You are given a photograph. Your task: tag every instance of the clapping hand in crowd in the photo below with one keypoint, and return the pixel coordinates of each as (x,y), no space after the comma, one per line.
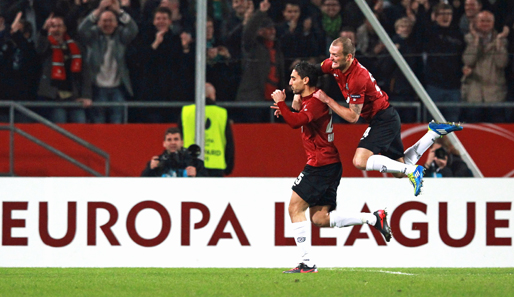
(17,25)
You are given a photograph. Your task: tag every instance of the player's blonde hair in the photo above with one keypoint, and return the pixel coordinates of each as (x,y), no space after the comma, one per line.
(348,46)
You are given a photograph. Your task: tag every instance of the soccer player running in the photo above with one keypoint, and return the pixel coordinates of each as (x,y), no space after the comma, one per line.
(316,187)
(383,135)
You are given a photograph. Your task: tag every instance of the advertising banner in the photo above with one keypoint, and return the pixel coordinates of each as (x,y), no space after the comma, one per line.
(244,222)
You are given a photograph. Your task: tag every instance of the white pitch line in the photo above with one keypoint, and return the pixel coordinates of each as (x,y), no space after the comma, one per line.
(391,272)
(381,271)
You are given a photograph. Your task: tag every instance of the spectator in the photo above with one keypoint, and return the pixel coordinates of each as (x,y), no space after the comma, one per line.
(299,39)
(444,160)
(443,46)
(63,78)
(175,161)
(106,43)
(400,89)
(220,71)
(219,142)
(161,55)
(485,60)
(331,20)
(369,45)
(19,67)
(263,70)
(181,20)
(233,27)
(471,9)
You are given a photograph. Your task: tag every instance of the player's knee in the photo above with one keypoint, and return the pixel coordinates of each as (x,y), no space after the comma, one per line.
(359,163)
(321,220)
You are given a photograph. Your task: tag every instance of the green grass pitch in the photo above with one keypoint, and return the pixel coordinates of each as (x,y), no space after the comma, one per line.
(256,282)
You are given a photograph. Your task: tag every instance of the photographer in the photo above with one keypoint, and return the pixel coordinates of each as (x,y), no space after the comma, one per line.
(175,161)
(445,161)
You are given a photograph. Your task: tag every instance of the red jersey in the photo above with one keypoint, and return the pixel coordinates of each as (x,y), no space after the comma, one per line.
(315,119)
(359,87)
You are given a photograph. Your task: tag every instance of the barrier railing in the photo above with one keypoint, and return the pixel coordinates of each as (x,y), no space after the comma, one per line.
(34,116)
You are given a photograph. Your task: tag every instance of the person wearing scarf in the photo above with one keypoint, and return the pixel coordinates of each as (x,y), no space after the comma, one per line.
(62,72)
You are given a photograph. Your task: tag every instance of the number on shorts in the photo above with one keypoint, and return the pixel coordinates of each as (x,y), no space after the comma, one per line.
(298,179)
(366,133)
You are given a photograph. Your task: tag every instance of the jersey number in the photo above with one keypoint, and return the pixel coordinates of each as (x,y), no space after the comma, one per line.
(330,128)
(298,179)
(372,80)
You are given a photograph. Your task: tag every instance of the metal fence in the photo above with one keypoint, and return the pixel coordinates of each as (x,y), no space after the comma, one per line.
(422,113)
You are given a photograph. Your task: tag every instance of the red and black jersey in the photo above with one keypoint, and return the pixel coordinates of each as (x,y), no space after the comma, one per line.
(315,119)
(359,87)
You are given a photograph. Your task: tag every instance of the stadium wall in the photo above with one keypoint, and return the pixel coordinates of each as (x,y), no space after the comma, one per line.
(262,150)
(243,222)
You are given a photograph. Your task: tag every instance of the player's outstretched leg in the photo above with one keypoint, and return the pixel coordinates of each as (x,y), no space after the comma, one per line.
(444,128)
(382,225)
(435,130)
(302,268)
(416,179)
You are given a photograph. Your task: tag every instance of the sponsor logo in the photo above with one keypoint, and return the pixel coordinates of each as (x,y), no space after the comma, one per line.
(383,169)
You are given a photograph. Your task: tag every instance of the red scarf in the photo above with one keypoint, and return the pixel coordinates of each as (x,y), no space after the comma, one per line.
(58,70)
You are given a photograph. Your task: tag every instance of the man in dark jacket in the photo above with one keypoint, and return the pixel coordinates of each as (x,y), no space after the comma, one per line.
(263,69)
(444,46)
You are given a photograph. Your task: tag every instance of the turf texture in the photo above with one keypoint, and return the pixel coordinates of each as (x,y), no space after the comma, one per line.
(256,282)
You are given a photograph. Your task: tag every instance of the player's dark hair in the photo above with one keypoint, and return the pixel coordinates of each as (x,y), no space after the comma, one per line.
(306,69)
(172,130)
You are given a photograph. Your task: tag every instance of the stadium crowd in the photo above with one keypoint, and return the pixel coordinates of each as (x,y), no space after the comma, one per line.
(91,51)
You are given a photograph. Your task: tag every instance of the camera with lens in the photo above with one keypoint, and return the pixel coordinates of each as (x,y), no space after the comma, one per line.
(175,163)
(441,153)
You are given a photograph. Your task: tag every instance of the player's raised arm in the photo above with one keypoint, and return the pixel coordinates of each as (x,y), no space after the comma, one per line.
(293,119)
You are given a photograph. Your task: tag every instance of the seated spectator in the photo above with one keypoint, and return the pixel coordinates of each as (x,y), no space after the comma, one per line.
(106,43)
(63,78)
(175,161)
(485,60)
(445,161)
(219,142)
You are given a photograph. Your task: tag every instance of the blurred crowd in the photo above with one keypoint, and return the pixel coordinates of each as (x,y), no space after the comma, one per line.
(90,51)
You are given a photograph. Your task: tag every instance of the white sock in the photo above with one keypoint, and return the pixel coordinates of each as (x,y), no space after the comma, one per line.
(339,221)
(414,153)
(384,164)
(303,241)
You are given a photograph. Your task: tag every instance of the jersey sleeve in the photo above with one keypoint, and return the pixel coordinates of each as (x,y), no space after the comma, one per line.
(293,119)
(326,66)
(357,89)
